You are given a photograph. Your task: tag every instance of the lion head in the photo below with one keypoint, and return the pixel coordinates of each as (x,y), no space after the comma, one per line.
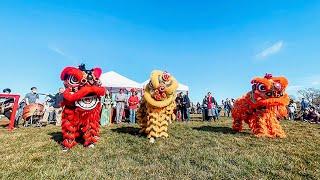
(83,87)
(270,91)
(160,91)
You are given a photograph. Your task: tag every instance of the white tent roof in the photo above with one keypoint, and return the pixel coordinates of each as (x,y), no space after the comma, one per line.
(181,87)
(114,81)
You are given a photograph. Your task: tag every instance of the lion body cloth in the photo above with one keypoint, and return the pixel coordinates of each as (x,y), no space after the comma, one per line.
(156,111)
(81,113)
(263,107)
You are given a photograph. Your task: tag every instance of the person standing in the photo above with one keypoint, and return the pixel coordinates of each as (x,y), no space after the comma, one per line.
(304,104)
(224,108)
(120,103)
(232,103)
(198,108)
(32,97)
(106,102)
(57,105)
(292,110)
(227,107)
(186,107)
(212,107)
(179,101)
(205,116)
(133,102)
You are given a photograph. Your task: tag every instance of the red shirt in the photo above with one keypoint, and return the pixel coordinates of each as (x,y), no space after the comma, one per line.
(133,102)
(211,104)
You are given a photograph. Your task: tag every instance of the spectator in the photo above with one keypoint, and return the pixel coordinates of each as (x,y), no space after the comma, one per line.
(212,107)
(223,103)
(57,105)
(179,101)
(22,104)
(7,91)
(6,104)
(232,103)
(193,108)
(186,107)
(106,102)
(32,97)
(120,103)
(227,107)
(304,104)
(133,102)
(205,116)
(198,108)
(313,116)
(292,110)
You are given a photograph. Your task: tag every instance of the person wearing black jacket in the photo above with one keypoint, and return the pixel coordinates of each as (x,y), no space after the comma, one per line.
(56,104)
(185,107)
(179,101)
(205,109)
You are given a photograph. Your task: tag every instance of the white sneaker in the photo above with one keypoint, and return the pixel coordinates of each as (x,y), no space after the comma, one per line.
(152,140)
(91,146)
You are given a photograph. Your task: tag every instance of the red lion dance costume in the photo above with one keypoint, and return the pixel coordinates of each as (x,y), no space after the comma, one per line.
(81,114)
(262,107)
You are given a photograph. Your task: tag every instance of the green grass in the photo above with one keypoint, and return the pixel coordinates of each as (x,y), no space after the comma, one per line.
(197,150)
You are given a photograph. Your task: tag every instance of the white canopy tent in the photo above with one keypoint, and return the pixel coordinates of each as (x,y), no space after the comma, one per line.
(181,87)
(114,82)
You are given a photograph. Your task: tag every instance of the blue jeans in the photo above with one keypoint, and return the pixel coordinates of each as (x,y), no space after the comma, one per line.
(215,112)
(132,116)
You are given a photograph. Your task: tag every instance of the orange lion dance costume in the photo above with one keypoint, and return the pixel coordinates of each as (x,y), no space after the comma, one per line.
(262,107)
(81,114)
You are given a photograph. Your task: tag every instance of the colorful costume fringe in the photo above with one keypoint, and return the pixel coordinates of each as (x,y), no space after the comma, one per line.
(81,114)
(262,108)
(157,107)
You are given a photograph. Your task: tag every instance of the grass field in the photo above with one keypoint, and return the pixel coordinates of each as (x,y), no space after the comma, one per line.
(196,150)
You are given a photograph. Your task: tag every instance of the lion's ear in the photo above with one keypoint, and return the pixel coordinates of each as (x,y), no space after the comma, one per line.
(97,72)
(282,80)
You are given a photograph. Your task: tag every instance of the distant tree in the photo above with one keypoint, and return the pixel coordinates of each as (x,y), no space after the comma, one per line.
(311,94)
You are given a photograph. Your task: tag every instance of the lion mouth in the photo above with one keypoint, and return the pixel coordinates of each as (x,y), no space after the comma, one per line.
(88,102)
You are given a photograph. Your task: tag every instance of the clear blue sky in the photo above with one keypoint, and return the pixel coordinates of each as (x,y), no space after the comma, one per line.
(208,45)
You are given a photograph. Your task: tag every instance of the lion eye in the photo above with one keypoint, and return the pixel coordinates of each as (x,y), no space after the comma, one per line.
(254,87)
(262,88)
(73,80)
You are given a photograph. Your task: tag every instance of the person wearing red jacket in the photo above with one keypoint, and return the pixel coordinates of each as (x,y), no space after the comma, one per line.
(133,102)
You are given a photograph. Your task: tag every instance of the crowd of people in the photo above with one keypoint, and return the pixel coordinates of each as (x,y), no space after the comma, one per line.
(124,105)
(183,107)
(304,110)
(118,108)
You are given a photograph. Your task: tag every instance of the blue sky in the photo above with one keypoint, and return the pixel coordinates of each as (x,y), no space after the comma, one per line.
(208,45)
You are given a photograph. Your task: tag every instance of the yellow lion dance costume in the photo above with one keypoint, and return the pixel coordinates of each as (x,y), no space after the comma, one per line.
(262,107)
(157,107)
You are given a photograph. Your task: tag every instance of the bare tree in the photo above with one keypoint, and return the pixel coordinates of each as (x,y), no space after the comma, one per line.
(310,94)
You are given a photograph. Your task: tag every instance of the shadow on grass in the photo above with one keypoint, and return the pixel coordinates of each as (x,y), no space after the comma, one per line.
(3,126)
(128,130)
(57,137)
(224,130)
